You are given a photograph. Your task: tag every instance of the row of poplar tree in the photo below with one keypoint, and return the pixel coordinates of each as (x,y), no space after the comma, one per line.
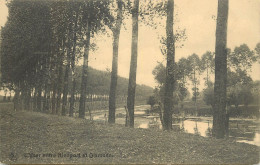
(43,40)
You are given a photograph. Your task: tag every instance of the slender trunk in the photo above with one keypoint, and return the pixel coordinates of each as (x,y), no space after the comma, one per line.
(66,85)
(133,64)
(44,85)
(47,86)
(44,101)
(195,92)
(5,98)
(39,99)
(58,101)
(60,83)
(54,85)
(39,89)
(10,95)
(27,99)
(84,74)
(219,114)
(169,84)
(48,98)
(126,117)
(53,100)
(16,99)
(195,86)
(227,124)
(22,97)
(35,100)
(30,102)
(161,114)
(72,98)
(113,85)
(67,71)
(207,74)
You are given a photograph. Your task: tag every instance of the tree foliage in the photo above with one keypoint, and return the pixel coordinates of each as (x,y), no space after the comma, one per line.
(151,101)
(257,51)
(207,64)
(182,73)
(208,94)
(242,58)
(195,64)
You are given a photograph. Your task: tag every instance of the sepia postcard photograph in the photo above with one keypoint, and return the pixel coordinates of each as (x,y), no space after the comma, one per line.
(129,82)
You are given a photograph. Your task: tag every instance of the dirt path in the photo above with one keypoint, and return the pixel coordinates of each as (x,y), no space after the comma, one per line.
(30,137)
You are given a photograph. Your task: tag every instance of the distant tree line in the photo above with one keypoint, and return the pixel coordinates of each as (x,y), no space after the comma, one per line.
(240,87)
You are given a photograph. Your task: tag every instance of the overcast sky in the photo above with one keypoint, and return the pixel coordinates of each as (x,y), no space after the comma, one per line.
(197,17)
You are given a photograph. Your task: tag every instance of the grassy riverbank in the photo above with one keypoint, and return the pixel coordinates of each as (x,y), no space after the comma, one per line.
(31,137)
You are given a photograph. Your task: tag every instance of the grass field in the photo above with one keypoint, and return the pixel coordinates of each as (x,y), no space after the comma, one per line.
(31,137)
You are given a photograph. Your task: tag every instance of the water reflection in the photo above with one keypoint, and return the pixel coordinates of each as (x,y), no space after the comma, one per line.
(246,131)
(255,141)
(242,131)
(195,127)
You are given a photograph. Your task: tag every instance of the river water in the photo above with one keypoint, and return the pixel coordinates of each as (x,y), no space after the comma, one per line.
(242,130)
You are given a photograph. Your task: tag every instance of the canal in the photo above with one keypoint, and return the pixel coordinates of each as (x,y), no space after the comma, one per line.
(242,130)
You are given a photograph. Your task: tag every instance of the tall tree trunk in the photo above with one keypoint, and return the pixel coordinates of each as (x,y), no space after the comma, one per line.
(67,71)
(133,64)
(16,99)
(44,79)
(60,83)
(207,74)
(10,94)
(4,98)
(44,101)
(169,84)
(219,114)
(112,93)
(39,89)
(48,98)
(22,96)
(84,73)
(35,99)
(54,83)
(195,91)
(59,95)
(27,99)
(72,98)
(39,99)
(53,99)
(47,86)
(66,85)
